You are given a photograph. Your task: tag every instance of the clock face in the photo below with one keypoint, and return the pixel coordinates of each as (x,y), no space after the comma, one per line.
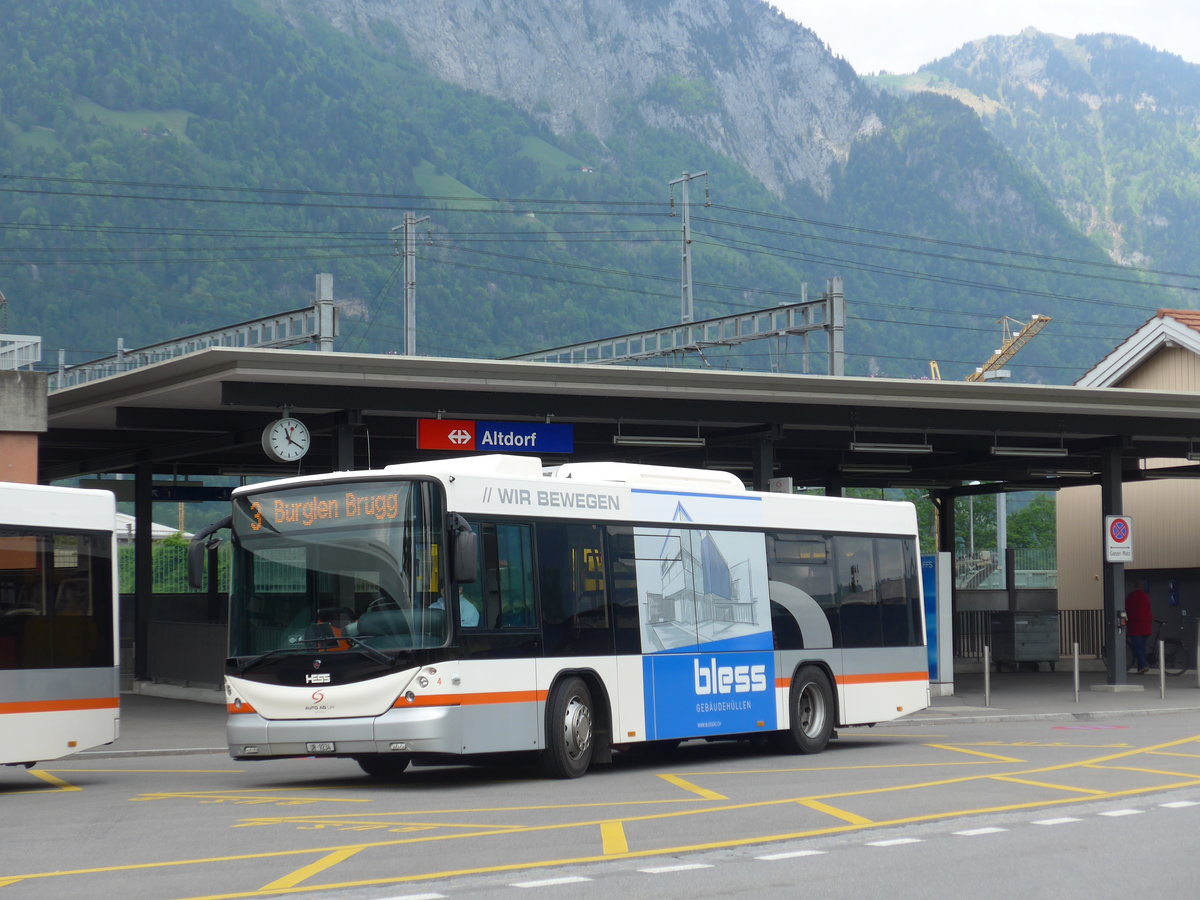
(285,440)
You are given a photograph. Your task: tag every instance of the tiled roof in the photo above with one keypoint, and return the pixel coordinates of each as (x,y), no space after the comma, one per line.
(1167,327)
(1188,317)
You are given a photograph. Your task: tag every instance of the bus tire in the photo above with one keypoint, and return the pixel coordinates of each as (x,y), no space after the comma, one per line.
(569,732)
(384,766)
(810,704)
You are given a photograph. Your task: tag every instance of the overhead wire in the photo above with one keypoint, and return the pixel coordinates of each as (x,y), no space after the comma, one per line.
(303,251)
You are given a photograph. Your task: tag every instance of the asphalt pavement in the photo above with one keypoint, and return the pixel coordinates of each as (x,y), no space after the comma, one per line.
(156,725)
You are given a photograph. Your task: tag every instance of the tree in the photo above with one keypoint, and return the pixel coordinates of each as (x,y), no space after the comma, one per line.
(1033,527)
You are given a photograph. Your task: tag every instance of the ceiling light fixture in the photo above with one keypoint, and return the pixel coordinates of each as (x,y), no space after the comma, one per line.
(1029,451)
(883,447)
(649,440)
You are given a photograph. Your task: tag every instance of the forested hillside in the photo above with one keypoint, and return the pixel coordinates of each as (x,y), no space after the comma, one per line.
(171,167)
(1106,123)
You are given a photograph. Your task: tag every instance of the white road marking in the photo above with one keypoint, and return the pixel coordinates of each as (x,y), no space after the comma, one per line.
(972,832)
(663,870)
(791,855)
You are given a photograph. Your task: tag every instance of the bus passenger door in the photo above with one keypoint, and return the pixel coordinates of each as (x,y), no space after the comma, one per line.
(500,701)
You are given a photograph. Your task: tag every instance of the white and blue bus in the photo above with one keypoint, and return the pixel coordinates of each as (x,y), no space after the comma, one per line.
(443,610)
(59,663)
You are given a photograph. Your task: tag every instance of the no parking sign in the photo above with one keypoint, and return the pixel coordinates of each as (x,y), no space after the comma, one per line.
(1118,539)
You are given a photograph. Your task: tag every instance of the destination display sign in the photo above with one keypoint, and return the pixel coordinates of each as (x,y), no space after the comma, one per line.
(494,437)
(323,506)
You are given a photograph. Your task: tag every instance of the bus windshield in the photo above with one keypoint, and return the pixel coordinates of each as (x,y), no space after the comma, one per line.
(335,566)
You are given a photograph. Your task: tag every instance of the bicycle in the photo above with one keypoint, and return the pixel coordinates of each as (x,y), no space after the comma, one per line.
(1177,658)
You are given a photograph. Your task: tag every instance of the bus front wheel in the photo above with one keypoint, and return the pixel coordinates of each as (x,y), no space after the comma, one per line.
(569,744)
(810,703)
(384,766)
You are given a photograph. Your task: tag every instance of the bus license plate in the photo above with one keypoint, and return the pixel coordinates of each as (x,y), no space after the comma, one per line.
(320,747)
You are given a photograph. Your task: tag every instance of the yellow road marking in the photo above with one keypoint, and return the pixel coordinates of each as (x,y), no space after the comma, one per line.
(1189,781)
(1065,744)
(852,818)
(997,757)
(251,797)
(612,838)
(784,770)
(54,780)
(339,817)
(306,872)
(368,821)
(163,772)
(635,854)
(1046,784)
(703,793)
(691,848)
(1145,771)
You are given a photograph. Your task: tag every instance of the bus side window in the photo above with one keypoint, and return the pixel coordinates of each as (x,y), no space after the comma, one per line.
(507,576)
(898,598)
(858,592)
(623,589)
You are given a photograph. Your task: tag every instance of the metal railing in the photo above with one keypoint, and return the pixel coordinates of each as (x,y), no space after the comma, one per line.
(984,570)
(972,631)
(20,351)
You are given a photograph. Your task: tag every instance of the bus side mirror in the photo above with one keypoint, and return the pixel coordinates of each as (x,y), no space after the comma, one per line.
(202,541)
(466,550)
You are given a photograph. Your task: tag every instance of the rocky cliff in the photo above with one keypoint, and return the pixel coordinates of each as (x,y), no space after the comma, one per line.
(734,74)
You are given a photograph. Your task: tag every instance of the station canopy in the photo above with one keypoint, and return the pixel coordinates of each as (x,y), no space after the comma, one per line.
(204,414)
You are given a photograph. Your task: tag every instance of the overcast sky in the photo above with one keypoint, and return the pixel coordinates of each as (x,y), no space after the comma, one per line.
(901,35)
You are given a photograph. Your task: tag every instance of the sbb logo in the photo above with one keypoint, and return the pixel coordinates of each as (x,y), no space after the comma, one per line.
(714,679)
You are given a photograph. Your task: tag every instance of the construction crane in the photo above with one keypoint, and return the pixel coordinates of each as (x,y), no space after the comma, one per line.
(1012,342)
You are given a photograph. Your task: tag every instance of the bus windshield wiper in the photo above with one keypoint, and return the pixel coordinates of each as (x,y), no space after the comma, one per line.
(370,652)
(366,649)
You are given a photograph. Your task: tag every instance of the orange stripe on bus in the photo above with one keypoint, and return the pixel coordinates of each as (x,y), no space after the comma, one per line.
(41,706)
(471,699)
(883,677)
(876,678)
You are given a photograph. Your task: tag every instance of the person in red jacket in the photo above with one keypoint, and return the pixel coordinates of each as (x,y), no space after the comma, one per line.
(1141,624)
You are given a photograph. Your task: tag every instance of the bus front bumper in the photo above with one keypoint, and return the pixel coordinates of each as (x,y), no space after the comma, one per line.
(423,730)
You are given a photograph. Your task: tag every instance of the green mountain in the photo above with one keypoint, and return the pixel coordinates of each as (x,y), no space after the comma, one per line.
(167,168)
(1105,123)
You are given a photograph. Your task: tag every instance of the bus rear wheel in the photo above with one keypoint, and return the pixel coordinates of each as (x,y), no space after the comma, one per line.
(388,767)
(569,743)
(810,703)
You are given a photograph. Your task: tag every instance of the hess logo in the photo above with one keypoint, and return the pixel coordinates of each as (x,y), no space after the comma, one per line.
(317,678)
(714,679)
